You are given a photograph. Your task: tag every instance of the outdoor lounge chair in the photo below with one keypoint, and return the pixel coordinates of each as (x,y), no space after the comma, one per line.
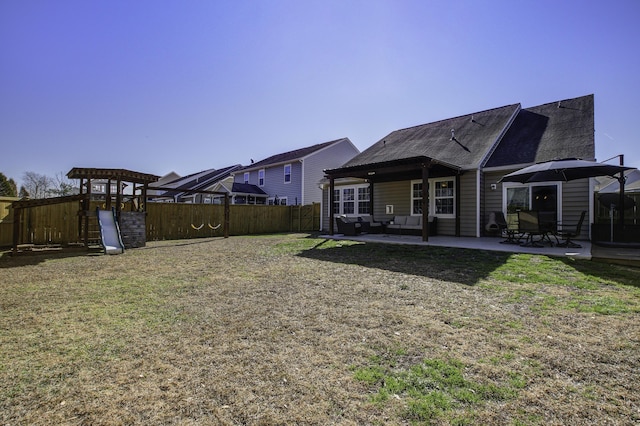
(568,232)
(346,227)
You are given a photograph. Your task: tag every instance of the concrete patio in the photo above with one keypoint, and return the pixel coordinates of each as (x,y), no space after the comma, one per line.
(627,255)
(483,243)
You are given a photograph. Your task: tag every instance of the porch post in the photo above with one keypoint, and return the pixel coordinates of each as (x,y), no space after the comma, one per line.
(331,202)
(17,215)
(227,213)
(425,202)
(371,199)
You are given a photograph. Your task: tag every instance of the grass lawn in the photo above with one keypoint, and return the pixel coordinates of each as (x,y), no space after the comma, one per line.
(292,329)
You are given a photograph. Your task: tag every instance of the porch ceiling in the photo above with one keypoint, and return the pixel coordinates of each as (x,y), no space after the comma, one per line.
(395,170)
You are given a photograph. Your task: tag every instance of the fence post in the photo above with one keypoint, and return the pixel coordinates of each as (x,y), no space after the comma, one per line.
(226,215)
(16,228)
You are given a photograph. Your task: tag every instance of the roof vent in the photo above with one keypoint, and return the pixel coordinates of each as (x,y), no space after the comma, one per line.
(453,134)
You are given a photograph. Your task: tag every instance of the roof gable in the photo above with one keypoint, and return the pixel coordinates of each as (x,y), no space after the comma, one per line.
(562,129)
(461,141)
(296,154)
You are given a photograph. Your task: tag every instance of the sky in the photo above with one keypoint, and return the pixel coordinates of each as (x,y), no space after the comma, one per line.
(160,86)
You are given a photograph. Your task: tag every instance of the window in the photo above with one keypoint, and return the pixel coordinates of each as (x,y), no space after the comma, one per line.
(363,200)
(443,197)
(352,200)
(416,198)
(348,201)
(246,177)
(261,177)
(287,173)
(538,196)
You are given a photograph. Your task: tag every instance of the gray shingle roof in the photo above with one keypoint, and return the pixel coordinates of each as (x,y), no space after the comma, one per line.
(247,188)
(291,155)
(473,136)
(197,181)
(551,131)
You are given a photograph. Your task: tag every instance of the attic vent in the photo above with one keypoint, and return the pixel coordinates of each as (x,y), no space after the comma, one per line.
(453,134)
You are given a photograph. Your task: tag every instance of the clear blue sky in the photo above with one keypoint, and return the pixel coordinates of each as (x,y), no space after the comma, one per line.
(156,86)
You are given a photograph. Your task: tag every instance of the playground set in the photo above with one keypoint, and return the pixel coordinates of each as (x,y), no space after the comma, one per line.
(115,221)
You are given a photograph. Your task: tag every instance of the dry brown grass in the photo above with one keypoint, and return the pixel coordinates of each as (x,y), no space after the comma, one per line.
(269,330)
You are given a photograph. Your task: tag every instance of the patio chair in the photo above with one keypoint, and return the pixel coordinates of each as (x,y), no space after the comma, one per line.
(510,229)
(568,232)
(548,226)
(346,227)
(529,224)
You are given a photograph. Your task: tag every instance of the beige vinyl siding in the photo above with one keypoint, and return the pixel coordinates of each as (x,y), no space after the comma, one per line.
(313,167)
(397,194)
(468,208)
(575,200)
(491,198)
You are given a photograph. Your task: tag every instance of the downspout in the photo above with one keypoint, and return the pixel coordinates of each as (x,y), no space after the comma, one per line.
(301,182)
(478,198)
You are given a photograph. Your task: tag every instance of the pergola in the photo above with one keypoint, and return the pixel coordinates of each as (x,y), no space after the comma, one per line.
(412,168)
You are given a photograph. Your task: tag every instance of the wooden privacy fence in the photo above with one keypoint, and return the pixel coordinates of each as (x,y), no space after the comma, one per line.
(58,223)
(170,221)
(6,220)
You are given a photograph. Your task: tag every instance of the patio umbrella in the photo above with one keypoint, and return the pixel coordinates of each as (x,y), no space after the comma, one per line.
(569,169)
(563,170)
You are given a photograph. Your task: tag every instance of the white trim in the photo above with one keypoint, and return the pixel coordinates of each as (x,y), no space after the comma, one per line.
(284,172)
(559,190)
(495,144)
(432,198)
(356,201)
(301,182)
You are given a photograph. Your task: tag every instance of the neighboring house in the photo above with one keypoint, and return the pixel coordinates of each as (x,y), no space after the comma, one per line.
(169,177)
(293,177)
(184,189)
(453,168)
(239,193)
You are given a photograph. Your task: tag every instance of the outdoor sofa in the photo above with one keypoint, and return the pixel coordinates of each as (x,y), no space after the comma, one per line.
(411,225)
(407,225)
(357,225)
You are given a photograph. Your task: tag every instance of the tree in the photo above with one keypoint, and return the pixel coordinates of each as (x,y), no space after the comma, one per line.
(7,187)
(62,185)
(37,185)
(23,192)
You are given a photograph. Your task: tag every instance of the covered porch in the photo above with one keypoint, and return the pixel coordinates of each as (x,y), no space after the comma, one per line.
(406,169)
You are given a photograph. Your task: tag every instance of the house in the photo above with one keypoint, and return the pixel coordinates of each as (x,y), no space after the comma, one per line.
(292,177)
(451,169)
(184,189)
(169,177)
